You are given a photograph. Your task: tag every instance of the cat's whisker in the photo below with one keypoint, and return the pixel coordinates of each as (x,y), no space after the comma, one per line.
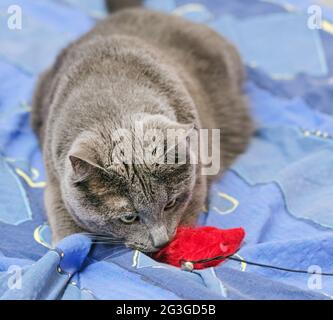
(106,242)
(94,234)
(101,237)
(107,239)
(116,254)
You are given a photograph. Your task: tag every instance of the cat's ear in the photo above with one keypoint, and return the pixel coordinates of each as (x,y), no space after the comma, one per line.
(82,166)
(181,144)
(163,123)
(178,144)
(83,160)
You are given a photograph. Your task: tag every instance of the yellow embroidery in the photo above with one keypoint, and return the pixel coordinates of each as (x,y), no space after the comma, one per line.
(327,26)
(29,181)
(243,263)
(288,7)
(191,7)
(234,202)
(38,238)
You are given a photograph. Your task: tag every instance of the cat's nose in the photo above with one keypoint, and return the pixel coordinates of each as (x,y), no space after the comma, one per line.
(159,236)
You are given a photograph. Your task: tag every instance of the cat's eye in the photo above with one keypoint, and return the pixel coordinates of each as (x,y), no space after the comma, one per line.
(170,204)
(129,218)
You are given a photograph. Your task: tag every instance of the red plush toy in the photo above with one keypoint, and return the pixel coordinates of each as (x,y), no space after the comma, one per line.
(194,244)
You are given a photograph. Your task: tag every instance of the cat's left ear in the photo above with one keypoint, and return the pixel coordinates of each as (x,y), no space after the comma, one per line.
(163,123)
(176,138)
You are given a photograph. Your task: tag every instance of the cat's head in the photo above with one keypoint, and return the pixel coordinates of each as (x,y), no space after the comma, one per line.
(138,200)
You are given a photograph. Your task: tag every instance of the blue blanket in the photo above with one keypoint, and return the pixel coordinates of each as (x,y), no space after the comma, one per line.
(280,190)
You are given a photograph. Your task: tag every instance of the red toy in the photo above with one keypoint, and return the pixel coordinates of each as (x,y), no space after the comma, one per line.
(193,244)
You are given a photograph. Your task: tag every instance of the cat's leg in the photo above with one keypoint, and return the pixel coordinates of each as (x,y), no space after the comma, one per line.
(61,223)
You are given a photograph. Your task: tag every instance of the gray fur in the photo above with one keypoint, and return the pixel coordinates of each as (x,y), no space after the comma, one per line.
(114,5)
(144,66)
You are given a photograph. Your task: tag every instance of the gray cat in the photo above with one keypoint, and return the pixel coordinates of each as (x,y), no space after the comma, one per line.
(137,66)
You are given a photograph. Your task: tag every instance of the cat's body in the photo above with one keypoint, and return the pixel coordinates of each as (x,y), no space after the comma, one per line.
(144,66)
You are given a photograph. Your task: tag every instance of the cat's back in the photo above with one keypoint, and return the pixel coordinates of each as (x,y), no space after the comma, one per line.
(208,64)
(183,41)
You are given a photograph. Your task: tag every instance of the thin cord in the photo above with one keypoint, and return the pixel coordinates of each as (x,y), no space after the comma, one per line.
(231,257)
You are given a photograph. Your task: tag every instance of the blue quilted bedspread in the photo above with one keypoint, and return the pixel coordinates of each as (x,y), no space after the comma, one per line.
(280,191)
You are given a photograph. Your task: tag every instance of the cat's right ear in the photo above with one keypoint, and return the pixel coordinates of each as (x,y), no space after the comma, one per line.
(83,158)
(82,166)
